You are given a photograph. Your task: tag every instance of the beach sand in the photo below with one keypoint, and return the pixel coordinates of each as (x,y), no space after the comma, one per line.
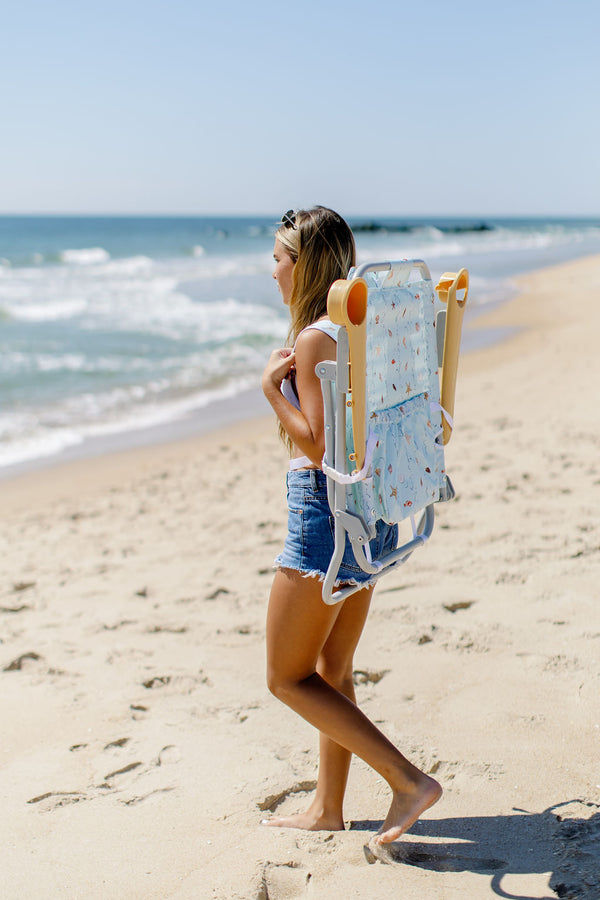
(140,746)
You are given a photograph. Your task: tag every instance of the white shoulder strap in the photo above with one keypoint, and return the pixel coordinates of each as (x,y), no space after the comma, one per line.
(324,325)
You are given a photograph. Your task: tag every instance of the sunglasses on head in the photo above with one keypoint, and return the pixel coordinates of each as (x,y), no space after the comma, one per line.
(289,219)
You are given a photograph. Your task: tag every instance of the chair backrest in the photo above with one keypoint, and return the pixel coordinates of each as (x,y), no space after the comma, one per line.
(401,347)
(402,393)
(385,427)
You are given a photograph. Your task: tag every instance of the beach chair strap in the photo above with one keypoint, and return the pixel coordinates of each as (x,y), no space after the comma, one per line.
(342,477)
(376,563)
(437,407)
(300,462)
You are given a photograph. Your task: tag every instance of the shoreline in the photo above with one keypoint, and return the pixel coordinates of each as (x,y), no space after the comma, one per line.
(248,404)
(209,419)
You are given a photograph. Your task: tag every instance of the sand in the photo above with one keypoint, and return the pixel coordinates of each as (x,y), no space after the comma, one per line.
(140,746)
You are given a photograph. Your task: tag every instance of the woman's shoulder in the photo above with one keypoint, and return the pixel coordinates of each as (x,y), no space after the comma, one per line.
(321,326)
(315,343)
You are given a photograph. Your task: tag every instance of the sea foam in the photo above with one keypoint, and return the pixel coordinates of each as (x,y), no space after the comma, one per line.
(85,257)
(151,318)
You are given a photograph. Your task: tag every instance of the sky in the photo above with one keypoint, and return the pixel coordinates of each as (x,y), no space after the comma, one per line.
(466,107)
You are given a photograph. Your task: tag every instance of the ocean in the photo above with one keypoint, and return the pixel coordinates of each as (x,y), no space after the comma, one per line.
(110,325)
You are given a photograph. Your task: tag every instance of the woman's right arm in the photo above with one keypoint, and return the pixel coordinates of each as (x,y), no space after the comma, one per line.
(304,426)
(278,367)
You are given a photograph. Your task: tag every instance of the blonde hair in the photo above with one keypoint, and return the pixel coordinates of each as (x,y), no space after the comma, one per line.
(321,245)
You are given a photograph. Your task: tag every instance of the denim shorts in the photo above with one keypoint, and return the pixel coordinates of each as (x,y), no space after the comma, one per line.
(309,543)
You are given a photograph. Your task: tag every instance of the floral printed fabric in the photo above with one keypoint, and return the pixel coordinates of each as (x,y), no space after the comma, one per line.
(407,471)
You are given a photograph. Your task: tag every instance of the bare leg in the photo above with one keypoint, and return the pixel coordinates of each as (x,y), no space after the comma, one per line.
(335,665)
(298,626)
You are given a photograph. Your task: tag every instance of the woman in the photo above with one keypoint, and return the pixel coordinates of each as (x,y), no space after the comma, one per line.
(310,646)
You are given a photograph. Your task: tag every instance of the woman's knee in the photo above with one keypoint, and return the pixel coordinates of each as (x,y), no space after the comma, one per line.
(274,682)
(336,671)
(281,684)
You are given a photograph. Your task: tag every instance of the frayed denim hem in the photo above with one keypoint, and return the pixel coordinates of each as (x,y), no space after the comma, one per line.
(316,573)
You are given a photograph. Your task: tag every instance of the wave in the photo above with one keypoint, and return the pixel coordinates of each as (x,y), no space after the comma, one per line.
(142,296)
(43,312)
(24,437)
(38,446)
(132,332)
(84,257)
(20,363)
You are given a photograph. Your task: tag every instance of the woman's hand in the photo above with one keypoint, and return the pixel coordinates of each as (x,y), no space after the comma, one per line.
(279,366)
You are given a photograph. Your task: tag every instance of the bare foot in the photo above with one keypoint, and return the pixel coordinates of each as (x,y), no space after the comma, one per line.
(406,809)
(308,821)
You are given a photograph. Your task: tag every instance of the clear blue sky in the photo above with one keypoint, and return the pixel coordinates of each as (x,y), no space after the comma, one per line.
(433,106)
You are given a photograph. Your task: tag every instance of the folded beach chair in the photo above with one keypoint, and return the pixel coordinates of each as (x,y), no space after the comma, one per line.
(385,460)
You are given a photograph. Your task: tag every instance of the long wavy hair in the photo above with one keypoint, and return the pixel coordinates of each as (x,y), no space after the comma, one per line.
(322,247)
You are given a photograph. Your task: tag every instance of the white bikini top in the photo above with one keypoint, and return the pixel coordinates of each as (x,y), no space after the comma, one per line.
(288,385)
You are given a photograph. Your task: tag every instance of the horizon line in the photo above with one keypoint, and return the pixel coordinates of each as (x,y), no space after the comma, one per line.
(267,215)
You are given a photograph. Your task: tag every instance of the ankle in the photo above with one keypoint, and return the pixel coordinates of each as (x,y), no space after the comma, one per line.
(413,782)
(324,812)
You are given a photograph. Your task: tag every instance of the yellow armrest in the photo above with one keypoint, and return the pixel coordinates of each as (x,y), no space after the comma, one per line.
(448,285)
(347,306)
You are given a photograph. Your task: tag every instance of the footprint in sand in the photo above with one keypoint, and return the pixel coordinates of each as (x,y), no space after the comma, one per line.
(289,879)
(271,802)
(230,714)
(425,639)
(179,684)
(366,676)
(118,744)
(168,756)
(167,629)
(460,604)
(17,664)
(463,771)
(114,782)
(217,593)
(55,799)
(118,625)
(156,682)
(112,779)
(19,586)
(133,801)
(137,781)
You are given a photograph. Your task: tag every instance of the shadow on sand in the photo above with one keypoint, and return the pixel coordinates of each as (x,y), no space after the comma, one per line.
(563,840)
